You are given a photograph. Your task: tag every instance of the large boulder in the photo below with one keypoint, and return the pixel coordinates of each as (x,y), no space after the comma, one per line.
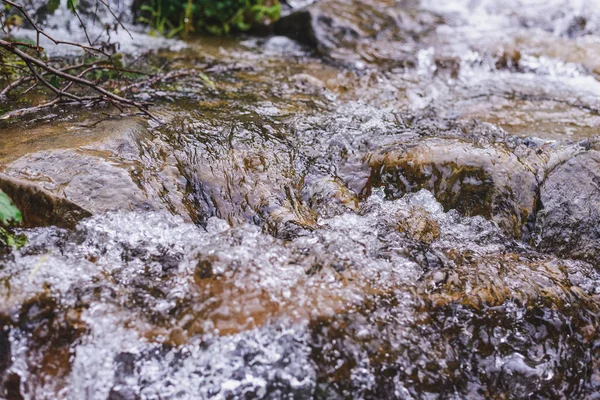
(379,31)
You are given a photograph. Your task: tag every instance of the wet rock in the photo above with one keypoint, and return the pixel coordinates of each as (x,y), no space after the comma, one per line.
(493,280)
(118,168)
(418,225)
(241,169)
(5,351)
(41,207)
(328,196)
(506,293)
(567,222)
(308,83)
(350,31)
(298,27)
(447,66)
(107,135)
(105,166)
(43,332)
(343,310)
(124,369)
(577,27)
(242,187)
(90,182)
(11,387)
(203,270)
(510,60)
(484,180)
(281,45)
(330,274)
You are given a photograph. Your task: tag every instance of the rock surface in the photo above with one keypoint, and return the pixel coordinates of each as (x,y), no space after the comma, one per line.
(567,223)
(378,32)
(475,180)
(40,207)
(409,211)
(104,172)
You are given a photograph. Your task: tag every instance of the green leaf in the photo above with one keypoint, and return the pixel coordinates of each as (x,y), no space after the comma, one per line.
(175,31)
(207,80)
(54,81)
(9,239)
(53,5)
(9,214)
(72,5)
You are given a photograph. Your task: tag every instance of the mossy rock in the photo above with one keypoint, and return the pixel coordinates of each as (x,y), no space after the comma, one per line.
(488,181)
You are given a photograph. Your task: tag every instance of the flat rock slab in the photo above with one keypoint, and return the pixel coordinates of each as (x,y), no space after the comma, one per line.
(91,182)
(107,170)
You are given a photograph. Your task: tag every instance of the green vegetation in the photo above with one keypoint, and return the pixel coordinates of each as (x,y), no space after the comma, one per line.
(218,17)
(9,217)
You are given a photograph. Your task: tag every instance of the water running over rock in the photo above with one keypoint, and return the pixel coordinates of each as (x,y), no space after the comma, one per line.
(402,204)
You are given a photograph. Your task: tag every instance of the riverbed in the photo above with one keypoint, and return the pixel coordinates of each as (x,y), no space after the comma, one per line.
(380,200)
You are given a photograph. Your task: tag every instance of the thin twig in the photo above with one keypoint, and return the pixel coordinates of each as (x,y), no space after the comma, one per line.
(89,49)
(23,111)
(116,18)
(159,78)
(27,58)
(50,86)
(71,6)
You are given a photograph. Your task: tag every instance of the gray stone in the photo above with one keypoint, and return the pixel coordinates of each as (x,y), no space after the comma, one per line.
(568,222)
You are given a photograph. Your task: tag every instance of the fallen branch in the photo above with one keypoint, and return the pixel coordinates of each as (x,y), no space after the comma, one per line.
(78,79)
(40,32)
(36,71)
(23,111)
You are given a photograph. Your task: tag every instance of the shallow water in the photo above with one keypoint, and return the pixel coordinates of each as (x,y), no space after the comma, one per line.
(306,224)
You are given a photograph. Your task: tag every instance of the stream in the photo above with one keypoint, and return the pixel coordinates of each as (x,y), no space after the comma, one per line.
(384,199)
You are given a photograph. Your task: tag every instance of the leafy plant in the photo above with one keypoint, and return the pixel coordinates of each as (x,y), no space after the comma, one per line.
(172,17)
(156,18)
(10,216)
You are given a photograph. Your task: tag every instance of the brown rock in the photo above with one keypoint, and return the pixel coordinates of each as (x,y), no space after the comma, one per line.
(486,180)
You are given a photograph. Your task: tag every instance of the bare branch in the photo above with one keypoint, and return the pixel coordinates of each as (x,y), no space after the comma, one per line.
(44,72)
(30,61)
(115,17)
(88,49)
(71,6)
(23,111)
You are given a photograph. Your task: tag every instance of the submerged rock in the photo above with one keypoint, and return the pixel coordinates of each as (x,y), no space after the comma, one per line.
(146,303)
(40,335)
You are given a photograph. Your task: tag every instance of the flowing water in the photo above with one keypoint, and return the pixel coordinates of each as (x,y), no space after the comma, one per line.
(402,203)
